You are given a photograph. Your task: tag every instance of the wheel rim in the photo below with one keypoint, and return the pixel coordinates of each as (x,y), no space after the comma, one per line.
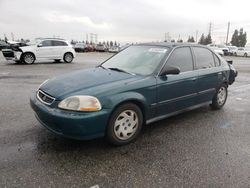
(126,124)
(29,59)
(221,96)
(68,57)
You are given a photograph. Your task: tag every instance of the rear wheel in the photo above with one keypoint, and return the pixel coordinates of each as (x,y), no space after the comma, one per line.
(220,97)
(68,57)
(125,124)
(28,58)
(245,54)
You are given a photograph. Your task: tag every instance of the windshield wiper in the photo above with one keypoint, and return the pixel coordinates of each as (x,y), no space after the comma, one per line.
(120,70)
(101,67)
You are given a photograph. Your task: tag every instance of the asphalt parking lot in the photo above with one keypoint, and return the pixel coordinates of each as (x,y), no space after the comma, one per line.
(200,148)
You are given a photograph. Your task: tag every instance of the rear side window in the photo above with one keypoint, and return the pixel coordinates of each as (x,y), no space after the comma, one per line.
(59,43)
(46,43)
(204,58)
(181,58)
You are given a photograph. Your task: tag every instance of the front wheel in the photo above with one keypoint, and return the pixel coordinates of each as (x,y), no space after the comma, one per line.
(245,54)
(28,58)
(125,124)
(220,97)
(68,57)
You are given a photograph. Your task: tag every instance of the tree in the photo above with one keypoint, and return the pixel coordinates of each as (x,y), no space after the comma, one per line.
(242,38)
(180,41)
(191,39)
(239,38)
(111,43)
(202,39)
(172,40)
(208,39)
(234,40)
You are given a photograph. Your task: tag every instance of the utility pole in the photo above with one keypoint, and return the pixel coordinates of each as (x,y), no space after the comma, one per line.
(228,26)
(210,28)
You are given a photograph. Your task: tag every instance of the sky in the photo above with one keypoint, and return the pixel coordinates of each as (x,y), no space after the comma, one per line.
(123,20)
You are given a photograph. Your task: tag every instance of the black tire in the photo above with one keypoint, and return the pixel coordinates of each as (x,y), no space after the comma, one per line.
(217,102)
(28,58)
(18,62)
(111,133)
(68,57)
(57,60)
(245,54)
(235,54)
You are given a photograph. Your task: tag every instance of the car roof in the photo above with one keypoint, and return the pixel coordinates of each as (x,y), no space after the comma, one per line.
(169,44)
(50,39)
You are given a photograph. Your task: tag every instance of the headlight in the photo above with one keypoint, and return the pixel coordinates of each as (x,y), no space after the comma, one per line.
(81,103)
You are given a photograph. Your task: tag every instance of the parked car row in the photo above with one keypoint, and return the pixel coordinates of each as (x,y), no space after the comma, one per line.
(230,50)
(40,49)
(82,47)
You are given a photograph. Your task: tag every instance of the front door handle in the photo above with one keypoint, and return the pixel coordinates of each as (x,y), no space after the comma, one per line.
(193,79)
(219,73)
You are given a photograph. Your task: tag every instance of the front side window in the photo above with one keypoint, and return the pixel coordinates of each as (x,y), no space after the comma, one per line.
(204,58)
(46,43)
(181,58)
(141,60)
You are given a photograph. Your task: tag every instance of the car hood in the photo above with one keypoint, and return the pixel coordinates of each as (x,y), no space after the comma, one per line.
(86,81)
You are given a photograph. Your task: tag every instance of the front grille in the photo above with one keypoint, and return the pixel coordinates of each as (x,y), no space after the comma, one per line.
(45,98)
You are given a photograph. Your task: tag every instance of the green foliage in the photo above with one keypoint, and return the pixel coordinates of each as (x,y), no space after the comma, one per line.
(191,39)
(205,40)
(239,38)
(202,39)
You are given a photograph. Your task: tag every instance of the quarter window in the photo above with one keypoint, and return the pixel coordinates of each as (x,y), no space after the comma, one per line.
(181,58)
(216,61)
(204,58)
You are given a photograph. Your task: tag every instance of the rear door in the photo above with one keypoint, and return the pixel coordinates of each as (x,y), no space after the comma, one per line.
(59,48)
(209,74)
(177,92)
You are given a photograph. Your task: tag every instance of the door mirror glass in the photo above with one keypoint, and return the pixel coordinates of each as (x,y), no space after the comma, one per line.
(170,70)
(39,45)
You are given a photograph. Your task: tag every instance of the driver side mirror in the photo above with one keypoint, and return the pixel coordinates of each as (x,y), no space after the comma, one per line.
(170,70)
(39,45)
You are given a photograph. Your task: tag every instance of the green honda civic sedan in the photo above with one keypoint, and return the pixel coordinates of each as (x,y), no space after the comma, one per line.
(142,84)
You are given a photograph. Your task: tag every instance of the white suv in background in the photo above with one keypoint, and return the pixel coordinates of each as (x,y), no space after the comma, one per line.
(42,49)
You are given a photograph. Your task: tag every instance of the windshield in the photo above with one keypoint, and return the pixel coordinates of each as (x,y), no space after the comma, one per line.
(137,59)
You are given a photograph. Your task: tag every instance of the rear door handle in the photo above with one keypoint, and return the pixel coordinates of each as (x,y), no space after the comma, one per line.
(193,79)
(219,73)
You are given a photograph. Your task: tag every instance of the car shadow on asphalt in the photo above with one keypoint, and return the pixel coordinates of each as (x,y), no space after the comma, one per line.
(49,143)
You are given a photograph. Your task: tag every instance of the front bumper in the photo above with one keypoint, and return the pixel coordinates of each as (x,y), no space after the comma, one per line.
(75,125)
(11,55)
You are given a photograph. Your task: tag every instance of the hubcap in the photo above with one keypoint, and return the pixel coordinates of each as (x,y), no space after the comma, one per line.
(126,125)
(28,59)
(68,58)
(221,96)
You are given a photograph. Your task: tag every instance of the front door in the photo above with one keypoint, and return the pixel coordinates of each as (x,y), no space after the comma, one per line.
(44,50)
(177,92)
